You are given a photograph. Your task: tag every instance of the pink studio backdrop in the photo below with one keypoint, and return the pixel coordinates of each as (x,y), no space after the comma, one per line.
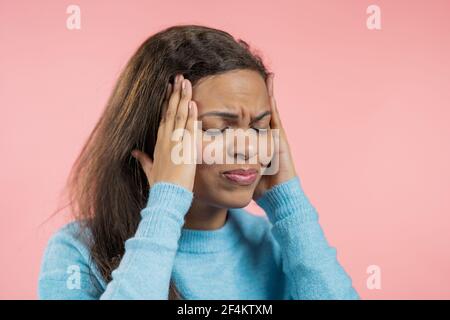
(367,113)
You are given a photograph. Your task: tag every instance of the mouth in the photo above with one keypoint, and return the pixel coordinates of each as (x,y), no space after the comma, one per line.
(243,177)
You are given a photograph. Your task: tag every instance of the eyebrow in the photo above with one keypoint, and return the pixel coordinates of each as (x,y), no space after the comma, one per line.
(233,116)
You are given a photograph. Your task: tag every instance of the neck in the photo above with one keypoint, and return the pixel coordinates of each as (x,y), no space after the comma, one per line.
(202,216)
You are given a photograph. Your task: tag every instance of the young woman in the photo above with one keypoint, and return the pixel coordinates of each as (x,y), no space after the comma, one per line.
(148,227)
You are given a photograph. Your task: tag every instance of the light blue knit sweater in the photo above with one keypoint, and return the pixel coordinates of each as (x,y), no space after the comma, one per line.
(282,256)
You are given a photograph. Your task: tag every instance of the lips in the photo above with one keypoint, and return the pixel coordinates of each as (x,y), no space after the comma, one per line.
(241,176)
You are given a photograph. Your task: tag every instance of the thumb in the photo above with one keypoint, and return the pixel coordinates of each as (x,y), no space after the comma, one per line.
(144,160)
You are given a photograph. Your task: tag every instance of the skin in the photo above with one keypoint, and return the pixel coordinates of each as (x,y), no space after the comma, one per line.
(245,95)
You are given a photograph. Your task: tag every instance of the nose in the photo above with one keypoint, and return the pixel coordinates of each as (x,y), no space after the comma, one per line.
(242,145)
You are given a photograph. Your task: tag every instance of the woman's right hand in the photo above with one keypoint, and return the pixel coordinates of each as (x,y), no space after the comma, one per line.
(177,115)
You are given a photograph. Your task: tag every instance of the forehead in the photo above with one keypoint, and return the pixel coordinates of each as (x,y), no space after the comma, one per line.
(241,91)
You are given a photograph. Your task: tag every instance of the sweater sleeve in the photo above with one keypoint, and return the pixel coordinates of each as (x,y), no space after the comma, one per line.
(145,269)
(309,263)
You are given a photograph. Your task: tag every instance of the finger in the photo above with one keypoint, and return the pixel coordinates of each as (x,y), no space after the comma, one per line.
(183,110)
(275,120)
(275,159)
(144,160)
(192,130)
(168,91)
(173,103)
(269,83)
(190,125)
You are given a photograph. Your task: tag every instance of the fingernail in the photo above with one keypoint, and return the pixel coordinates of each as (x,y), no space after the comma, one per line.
(183,85)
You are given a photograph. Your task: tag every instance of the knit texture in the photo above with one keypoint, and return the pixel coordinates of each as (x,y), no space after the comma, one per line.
(283,255)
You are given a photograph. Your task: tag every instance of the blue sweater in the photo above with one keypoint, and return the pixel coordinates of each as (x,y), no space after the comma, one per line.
(282,256)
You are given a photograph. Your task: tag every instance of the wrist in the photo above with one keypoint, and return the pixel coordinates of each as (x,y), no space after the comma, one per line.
(168,196)
(284,199)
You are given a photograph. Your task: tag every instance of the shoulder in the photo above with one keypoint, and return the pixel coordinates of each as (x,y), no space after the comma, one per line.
(67,253)
(72,238)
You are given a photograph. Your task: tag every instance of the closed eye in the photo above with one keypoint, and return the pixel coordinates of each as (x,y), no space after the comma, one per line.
(261,130)
(214,131)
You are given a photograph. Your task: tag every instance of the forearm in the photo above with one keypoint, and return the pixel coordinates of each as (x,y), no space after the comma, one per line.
(145,269)
(308,261)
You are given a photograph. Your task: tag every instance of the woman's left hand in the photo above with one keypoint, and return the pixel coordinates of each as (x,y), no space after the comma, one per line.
(282,154)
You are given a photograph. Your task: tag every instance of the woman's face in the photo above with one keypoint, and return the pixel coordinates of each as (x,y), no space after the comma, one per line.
(236,100)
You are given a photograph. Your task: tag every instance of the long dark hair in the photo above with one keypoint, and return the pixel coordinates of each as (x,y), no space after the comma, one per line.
(107,186)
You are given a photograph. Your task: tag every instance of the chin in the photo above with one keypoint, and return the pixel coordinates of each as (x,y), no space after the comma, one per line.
(221,193)
(235,198)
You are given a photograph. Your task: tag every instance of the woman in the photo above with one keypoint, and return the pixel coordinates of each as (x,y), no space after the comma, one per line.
(149,227)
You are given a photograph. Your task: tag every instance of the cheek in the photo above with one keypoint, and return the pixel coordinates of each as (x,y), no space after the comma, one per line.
(213,151)
(207,180)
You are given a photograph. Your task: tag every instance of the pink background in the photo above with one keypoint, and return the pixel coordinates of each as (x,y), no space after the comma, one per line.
(367,113)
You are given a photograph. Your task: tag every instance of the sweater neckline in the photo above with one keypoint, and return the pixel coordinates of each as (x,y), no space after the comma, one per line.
(209,241)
